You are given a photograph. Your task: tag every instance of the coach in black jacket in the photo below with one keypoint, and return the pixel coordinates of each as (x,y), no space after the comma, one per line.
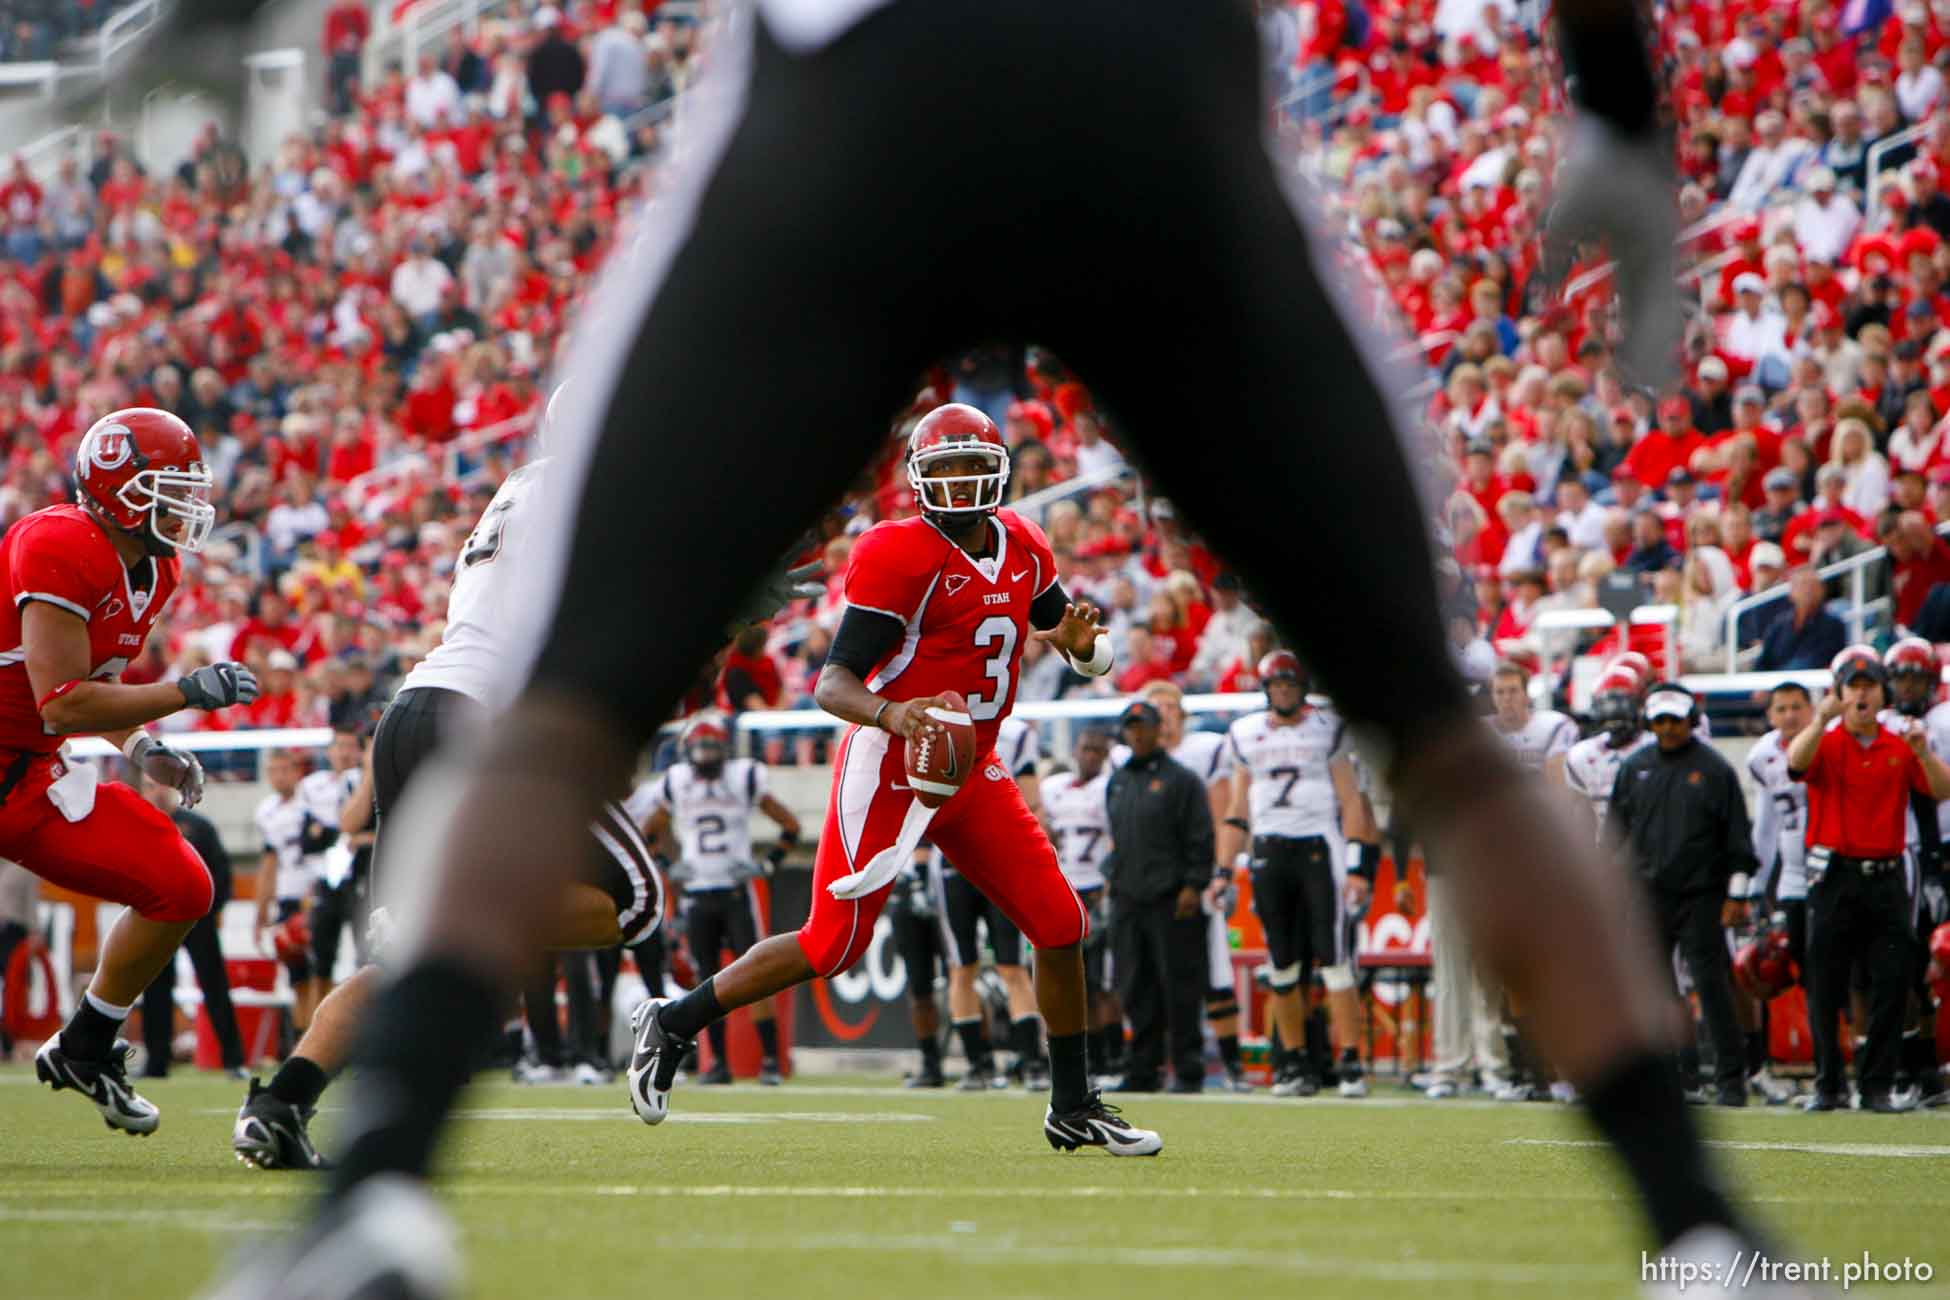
(1161,858)
(1679,808)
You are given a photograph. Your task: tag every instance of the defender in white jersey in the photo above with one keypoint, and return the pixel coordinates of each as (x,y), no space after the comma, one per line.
(1078,819)
(707,802)
(335,899)
(1296,800)
(1206,756)
(449,699)
(962,909)
(1591,765)
(280,821)
(1781,815)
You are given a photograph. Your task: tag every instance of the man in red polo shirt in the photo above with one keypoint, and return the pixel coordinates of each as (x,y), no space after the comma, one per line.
(1860,776)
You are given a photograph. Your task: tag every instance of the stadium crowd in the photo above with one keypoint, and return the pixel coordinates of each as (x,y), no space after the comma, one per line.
(360,326)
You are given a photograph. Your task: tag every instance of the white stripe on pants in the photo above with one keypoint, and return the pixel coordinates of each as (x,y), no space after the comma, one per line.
(1468,1033)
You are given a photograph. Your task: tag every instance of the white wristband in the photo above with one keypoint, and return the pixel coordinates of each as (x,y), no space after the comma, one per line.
(1353,854)
(1739,887)
(137,742)
(1100,659)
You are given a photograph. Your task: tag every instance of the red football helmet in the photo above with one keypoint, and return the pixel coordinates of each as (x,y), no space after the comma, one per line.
(954,432)
(1940,959)
(705,730)
(291,937)
(1764,966)
(1635,661)
(1280,666)
(1618,677)
(139,465)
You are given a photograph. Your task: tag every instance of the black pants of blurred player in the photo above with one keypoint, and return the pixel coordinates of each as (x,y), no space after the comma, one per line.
(719,921)
(1691,923)
(923,949)
(1160,963)
(213,977)
(1857,915)
(1106,1028)
(334,909)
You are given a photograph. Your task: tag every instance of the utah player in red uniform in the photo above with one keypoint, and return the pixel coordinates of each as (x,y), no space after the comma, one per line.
(941,602)
(84,585)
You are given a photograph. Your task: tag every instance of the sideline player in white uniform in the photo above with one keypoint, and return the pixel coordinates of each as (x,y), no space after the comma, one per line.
(1541,739)
(1078,819)
(1296,796)
(1914,680)
(962,908)
(1780,847)
(1206,756)
(334,898)
(449,698)
(1591,766)
(280,821)
(707,800)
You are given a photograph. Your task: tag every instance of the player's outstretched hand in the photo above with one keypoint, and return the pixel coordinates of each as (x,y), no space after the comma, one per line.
(1076,633)
(219,686)
(778,589)
(1621,191)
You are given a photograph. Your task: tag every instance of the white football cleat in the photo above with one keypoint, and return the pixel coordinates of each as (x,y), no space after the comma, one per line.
(653,1065)
(1095,1124)
(104,1082)
(385,1238)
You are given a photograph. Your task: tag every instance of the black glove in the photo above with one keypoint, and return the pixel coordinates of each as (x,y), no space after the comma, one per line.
(219,686)
(775,591)
(175,768)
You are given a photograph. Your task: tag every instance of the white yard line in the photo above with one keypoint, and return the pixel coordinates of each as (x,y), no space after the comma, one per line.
(1866,1149)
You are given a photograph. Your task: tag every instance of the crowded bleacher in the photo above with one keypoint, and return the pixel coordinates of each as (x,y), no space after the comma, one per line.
(361,327)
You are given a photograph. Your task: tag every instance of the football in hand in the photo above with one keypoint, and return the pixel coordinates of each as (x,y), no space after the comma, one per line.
(942,755)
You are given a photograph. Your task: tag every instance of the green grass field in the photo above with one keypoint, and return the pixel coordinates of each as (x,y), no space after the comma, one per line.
(851,1187)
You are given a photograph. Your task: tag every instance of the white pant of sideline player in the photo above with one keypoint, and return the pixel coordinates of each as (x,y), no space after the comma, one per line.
(1468,1031)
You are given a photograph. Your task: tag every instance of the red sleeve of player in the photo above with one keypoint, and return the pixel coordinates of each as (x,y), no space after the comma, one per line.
(888,571)
(1030,535)
(55,561)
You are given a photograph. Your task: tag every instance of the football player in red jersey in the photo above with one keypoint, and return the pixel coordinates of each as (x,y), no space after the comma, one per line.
(943,601)
(85,583)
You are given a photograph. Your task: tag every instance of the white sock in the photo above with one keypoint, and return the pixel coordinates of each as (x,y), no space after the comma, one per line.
(108,1009)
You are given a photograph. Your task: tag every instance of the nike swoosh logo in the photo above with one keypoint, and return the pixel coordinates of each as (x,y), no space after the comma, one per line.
(1018,577)
(895,785)
(642,1058)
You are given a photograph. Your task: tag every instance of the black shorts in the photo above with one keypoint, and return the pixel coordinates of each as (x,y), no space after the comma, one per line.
(1092,176)
(1299,903)
(1096,948)
(420,720)
(718,920)
(332,910)
(962,907)
(302,965)
(922,943)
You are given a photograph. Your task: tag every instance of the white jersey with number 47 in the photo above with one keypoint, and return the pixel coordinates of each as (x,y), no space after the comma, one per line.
(484,606)
(1292,789)
(1079,822)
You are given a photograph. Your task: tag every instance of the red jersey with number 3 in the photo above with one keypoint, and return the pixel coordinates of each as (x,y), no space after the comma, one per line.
(967,618)
(61,555)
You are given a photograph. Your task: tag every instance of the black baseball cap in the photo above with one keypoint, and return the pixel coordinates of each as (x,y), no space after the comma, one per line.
(1139,711)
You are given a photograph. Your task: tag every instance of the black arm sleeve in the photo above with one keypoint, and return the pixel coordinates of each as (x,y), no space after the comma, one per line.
(1604,44)
(1046,611)
(864,639)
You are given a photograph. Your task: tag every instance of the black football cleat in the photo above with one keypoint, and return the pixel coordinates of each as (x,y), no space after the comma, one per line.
(270,1133)
(104,1082)
(1095,1124)
(653,1063)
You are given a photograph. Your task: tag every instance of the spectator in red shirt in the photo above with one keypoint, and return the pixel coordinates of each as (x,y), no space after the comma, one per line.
(271,628)
(20,214)
(751,677)
(277,706)
(1667,445)
(346,28)
(1148,660)
(1919,561)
